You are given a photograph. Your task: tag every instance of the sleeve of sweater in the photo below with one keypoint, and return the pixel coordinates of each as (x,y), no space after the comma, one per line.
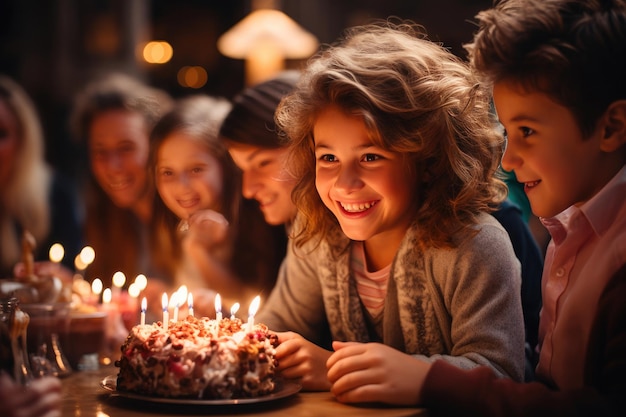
(296,303)
(479,307)
(448,390)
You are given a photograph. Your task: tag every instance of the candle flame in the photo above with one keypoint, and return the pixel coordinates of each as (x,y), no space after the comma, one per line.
(106,296)
(133,290)
(234,309)
(190,300)
(164,301)
(87,255)
(119,279)
(78,263)
(144,304)
(254,306)
(56,252)
(141,281)
(218,303)
(96,286)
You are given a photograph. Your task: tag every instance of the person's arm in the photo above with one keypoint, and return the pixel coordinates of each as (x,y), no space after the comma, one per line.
(296,302)
(481,311)
(448,390)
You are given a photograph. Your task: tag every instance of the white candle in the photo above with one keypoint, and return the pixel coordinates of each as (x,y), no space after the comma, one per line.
(144,306)
(254,307)
(233,310)
(190,304)
(166,314)
(218,308)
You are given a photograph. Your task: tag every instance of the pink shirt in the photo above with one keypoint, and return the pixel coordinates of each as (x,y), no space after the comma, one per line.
(588,245)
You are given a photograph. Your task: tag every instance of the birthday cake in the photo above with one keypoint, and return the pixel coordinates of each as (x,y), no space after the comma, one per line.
(198,358)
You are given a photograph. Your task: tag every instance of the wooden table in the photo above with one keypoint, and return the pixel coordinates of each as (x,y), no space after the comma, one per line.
(83,396)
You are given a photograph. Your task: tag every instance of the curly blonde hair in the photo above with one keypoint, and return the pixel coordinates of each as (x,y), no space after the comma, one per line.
(416,98)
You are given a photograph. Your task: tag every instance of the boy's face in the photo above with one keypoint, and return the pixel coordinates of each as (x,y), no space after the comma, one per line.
(367,188)
(547,151)
(266,180)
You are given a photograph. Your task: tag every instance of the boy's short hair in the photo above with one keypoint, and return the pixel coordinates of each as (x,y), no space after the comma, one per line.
(572,50)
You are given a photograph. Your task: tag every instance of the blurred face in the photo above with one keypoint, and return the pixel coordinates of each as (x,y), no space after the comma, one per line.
(118,149)
(9,143)
(265,180)
(369,189)
(188,177)
(547,151)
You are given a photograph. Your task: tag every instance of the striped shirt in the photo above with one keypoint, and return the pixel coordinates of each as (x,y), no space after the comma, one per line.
(371,286)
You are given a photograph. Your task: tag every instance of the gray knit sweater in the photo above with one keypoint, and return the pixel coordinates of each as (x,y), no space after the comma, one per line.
(460,305)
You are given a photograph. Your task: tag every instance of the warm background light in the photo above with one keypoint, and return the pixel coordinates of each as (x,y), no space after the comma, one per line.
(157,52)
(56,252)
(192,76)
(87,255)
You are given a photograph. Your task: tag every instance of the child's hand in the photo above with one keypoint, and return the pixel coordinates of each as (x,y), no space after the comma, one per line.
(207,228)
(300,359)
(41,398)
(373,372)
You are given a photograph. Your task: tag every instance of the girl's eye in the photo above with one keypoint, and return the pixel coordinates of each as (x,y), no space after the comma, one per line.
(371,157)
(196,170)
(328,158)
(526,131)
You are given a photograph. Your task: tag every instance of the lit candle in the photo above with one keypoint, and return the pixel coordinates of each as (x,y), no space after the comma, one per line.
(119,279)
(218,308)
(233,310)
(96,289)
(190,304)
(106,296)
(141,281)
(166,314)
(87,255)
(56,253)
(144,306)
(254,306)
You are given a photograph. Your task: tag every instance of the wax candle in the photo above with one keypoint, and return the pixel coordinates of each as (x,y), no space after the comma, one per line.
(190,304)
(254,306)
(144,306)
(233,310)
(166,314)
(218,308)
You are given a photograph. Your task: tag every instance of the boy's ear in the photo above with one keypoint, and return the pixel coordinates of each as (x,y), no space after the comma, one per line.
(614,126)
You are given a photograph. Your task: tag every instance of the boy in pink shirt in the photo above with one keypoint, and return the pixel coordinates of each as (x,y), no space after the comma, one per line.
(558,72)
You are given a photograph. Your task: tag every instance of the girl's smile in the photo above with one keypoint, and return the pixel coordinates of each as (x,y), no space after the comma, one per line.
(370,190)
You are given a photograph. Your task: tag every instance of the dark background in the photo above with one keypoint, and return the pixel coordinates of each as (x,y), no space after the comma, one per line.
(52,47)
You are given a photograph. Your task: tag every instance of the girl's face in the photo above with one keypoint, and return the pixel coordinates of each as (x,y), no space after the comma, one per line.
(265,180)
(188,177)
(118,150)
(548,153)
(9,143)
(369,189)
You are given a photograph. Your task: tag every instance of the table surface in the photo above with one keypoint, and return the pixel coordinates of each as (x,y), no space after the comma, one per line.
(83,396)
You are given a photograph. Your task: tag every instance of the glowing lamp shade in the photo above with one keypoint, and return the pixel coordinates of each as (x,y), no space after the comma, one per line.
(264,39)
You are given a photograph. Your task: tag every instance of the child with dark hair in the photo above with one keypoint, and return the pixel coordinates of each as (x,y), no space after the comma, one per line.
(556,68)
